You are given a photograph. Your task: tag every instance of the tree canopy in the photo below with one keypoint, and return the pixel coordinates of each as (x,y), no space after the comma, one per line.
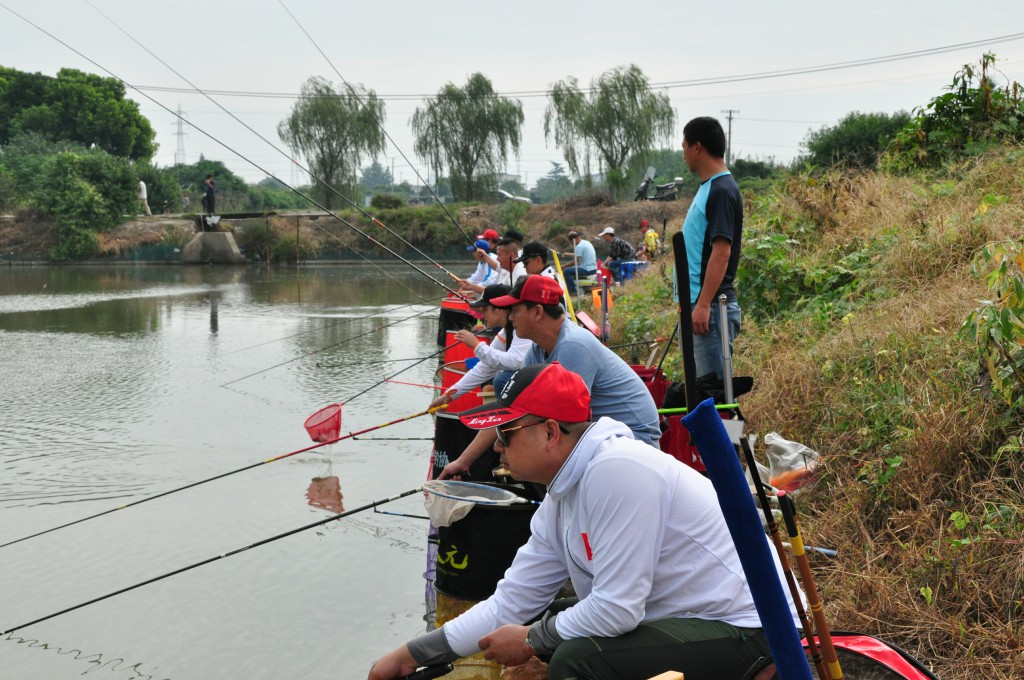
(619,119)
(75,107)
(333,130)
(856,141)
(470,131)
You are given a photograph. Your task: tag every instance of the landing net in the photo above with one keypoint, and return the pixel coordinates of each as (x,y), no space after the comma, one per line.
(449,501)
(325,424)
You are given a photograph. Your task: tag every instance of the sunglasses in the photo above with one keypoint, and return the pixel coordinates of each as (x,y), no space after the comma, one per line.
(503,433)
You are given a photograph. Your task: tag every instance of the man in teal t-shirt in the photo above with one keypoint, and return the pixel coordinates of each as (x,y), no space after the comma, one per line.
(713,230)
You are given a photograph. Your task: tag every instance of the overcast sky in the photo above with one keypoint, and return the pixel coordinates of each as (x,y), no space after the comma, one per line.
(407,50)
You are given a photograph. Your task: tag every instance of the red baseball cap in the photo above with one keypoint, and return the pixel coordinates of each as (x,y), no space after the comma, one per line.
(542,390)
(534,288)
(491,235)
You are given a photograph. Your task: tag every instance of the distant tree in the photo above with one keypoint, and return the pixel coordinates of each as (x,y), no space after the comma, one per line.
(470,131)
(513,186)
(77,107)
(856,141)
(553,185)
(333,130)
(619,119)
(375,176)
(749,168)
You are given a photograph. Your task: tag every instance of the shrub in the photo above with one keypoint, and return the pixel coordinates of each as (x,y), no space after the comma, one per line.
(386,202)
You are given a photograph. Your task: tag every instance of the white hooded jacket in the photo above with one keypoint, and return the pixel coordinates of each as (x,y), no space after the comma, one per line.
(641,536)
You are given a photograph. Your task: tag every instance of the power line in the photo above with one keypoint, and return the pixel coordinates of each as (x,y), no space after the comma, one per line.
(717,80)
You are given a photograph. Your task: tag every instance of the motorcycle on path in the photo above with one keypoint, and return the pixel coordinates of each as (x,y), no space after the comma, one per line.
(662,192)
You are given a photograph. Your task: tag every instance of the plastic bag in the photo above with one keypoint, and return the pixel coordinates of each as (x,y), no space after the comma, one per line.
(791,464)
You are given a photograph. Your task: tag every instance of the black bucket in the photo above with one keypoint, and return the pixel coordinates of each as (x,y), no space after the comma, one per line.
(474,552)
(451,438)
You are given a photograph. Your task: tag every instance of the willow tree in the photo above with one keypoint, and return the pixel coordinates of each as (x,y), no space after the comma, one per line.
(469,131)
(618,118)
(334,130)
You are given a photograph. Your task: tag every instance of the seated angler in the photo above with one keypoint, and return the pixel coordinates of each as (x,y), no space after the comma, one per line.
(641,536)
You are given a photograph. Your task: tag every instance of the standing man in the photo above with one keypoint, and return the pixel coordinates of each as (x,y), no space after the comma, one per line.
(620,252)
(586,261)
(641,536)
(209,195)
(616,390)
(713,229)
(144,197)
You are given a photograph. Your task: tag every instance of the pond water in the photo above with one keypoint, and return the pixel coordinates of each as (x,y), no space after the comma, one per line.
(119,383)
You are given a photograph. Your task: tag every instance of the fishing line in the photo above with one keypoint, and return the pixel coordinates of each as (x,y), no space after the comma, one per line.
(342,342)
(327,185)
(318,445)
(454,344)
(232,150)
(368,363)
(357,318)
(469,238)
(265,541)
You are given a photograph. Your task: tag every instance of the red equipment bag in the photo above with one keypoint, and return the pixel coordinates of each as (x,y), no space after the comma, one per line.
(861,657)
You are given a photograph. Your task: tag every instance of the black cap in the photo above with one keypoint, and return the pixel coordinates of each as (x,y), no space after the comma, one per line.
(533,249)
(495,290)
(514,235)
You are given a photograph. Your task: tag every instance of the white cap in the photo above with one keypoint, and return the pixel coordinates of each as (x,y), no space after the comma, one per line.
(607,230)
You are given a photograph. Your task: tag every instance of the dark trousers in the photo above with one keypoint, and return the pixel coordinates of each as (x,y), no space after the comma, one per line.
(699,649)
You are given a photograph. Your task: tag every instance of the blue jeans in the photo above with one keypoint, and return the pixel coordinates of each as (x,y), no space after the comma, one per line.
(707,349)
(570,274)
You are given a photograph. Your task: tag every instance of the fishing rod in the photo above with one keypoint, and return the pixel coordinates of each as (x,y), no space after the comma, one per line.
(341,342)
(787,568)
(370,363)
(469,238)
(327,185)
(357,318)
(232,150)
(411,384)
(443,349)
(227,474)
(222,556)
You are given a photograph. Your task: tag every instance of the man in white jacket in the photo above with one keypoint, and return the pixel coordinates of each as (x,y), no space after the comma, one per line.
(640,535)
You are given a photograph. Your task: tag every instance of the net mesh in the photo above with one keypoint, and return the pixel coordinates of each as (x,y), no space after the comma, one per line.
(325,424)
(448,501)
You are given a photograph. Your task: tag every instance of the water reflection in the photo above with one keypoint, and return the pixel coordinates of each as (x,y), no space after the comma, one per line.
(325,493)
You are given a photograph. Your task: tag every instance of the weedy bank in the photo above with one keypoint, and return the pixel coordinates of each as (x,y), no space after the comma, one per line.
(882,324)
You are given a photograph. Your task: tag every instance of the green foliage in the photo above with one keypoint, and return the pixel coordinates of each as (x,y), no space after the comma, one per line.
(386,201)
(552,186)
(857,141)
(878,475)
(619,120)
(469,131)
(376,176)
(511,214)
(996,327)
(75,106)
(333,130)
(975,114)
(283,250)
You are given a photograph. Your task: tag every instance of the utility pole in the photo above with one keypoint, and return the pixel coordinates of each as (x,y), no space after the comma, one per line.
(728,145)
(179,153)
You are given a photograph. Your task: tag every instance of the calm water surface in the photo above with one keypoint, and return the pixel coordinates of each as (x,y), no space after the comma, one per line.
(121,383)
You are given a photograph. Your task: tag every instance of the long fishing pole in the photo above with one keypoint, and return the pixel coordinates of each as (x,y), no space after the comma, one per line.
(340,342)
(274,146)
(356,318)
(395,145)
(443,349)
(227,474)
(787,568)
(232,150)
(222,556)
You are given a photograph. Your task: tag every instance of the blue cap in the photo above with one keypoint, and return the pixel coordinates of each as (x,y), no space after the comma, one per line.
(481,244)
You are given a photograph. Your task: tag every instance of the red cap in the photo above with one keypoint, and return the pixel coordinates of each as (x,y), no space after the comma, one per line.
(542,390)
(643,223)
(491,235)
(534,288)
